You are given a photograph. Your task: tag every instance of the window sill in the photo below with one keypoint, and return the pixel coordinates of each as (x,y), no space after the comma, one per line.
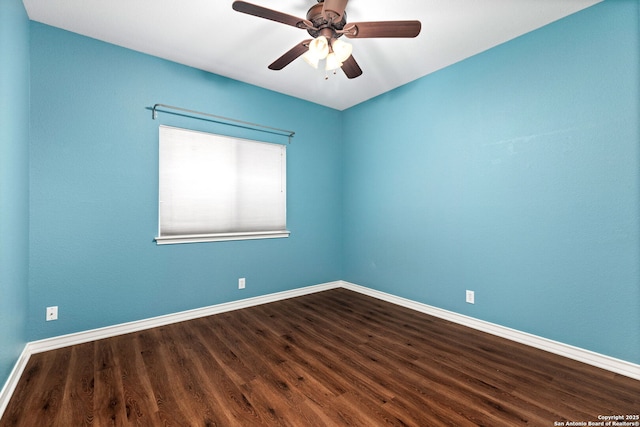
(221,237)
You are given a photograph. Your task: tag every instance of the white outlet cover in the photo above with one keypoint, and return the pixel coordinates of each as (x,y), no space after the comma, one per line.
(52,313)
(471,297)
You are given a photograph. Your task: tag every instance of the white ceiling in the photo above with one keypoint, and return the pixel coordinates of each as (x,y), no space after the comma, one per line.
(209,35)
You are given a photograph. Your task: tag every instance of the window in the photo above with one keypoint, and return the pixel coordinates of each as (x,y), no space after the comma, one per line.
(215,187)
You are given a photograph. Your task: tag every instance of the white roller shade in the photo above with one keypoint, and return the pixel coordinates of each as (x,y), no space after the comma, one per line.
(214,187)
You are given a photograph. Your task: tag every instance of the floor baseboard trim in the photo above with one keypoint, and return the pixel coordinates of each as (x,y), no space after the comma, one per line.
(602,361)
(12,381)
(154,322)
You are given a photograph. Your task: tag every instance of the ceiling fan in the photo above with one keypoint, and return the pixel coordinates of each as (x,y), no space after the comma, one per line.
(326,22)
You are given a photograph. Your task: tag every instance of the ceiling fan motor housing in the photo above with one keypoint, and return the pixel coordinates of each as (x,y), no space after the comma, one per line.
(322,25)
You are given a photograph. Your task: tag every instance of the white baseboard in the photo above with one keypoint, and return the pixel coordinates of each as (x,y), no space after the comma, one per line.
(140,325)
(595,359)
(12,381)
(612,364)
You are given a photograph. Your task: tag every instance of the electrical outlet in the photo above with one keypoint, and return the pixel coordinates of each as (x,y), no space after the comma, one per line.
(471,297)
(241,283)
(52,313)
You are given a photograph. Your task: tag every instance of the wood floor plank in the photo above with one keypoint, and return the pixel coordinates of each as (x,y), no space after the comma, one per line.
(77,404)
(138,397)
(229,402)
(332,358)
(109,403)
(156,360)
(47,402)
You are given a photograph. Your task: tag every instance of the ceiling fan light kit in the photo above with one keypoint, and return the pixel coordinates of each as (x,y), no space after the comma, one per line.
(335,54)
(326,22)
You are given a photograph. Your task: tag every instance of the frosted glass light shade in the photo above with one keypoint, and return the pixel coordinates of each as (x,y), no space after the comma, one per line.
(342,50)
(311,59)
(332,62)
(319,47)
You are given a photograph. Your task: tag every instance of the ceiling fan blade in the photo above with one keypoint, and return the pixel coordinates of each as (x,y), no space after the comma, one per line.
(361,30)
(263,12)
(290,55)
(351,68)
(333,10)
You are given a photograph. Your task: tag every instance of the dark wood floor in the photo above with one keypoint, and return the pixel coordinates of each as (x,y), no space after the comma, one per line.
(329,359)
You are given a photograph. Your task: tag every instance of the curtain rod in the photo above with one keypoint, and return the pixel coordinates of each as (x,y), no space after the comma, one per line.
(238,123)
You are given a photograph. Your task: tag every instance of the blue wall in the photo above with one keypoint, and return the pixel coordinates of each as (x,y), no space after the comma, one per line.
(94,178)
(14,181)
(514,174)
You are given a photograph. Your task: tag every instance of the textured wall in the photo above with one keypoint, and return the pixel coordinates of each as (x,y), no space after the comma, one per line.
(513,174)
(14,180)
